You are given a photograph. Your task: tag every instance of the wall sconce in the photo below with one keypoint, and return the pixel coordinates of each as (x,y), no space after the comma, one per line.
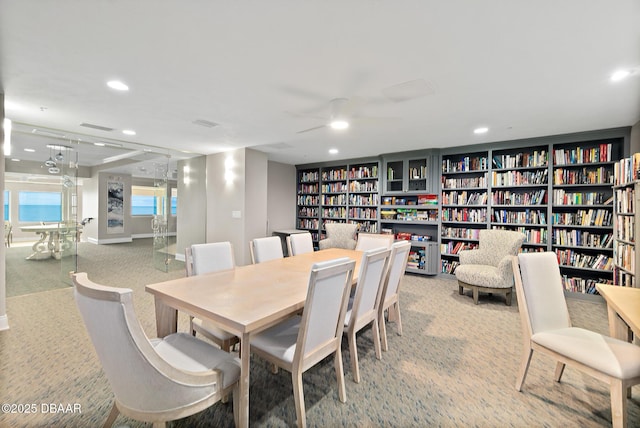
(185,174)
(228,169)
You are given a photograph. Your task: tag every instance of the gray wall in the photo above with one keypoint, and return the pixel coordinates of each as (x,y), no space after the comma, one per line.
(635,138)
(281,201)
(192,204)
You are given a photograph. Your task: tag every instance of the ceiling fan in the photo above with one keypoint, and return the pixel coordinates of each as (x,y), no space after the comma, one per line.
(342,112)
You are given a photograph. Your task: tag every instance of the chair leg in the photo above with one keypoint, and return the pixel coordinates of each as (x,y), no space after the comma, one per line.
(559,371)
(353,353)
(524,367)
(618,404)
(159,424)
(191,329)
(113,414)
(383,332)
(475,295)
(376,339)
(298,397)
(398,317)
(460,289)
(342,391)
(508,296)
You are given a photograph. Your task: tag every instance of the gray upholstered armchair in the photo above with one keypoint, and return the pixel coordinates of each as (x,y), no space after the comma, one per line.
(339,235)
(488,268)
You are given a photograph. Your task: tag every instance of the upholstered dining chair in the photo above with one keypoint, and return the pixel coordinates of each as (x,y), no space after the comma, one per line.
(339,235)
(299,243)
(205,258)
(390,299)
(363,308)
(301,342)
(546,328)
(488,267)
(155,380)
(369,241)
(265,249)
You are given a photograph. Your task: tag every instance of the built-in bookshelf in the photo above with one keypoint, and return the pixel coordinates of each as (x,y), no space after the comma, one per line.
(308,201)
(363,196)
(465,196)
(582,212)
(414,218)
(625,207)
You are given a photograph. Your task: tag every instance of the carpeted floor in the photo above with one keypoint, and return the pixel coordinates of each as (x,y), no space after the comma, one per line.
(455,365)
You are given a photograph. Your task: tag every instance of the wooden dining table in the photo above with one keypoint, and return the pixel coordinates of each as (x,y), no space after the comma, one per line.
(243,301)
(623,308)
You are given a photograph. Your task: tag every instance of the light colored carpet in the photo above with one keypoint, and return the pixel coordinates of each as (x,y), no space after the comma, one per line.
(455,366)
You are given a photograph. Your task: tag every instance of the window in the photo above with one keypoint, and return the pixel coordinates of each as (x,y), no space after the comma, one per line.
(174,201)
(6,205)
(144,201)
(39,206)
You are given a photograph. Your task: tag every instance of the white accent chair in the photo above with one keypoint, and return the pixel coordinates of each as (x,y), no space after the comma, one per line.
(301,342)
(487,269)
(546,327)
(155,380)
(390,300)
(339,235)
(206,258)
(299,243)
(363,308)
(369,241)
(265,249)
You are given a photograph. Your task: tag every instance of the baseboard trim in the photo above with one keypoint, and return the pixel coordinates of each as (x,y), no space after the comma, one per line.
(4,322)
(109,241)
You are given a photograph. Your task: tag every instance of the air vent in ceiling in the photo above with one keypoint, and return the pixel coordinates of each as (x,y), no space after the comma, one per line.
(101,128)
(205,123)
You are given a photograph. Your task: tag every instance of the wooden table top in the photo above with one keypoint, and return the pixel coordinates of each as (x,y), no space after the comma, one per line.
(625,301)
(248,298)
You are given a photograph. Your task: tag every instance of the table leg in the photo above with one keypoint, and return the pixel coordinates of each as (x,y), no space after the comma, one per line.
(244,381)
(166,319)
(617,327)
(41,249)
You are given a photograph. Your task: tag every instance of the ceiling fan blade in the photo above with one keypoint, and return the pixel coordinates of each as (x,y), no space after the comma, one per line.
(311,129)
(304,115)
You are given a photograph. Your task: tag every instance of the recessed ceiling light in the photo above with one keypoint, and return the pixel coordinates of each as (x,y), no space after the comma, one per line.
(333,151)
(117,85)
(481,130)
(619,75)
(29,150)
(15,160)
(339,124)
(99,144)
(129,132)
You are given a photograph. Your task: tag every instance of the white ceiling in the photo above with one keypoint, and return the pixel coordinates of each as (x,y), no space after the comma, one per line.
(258,68)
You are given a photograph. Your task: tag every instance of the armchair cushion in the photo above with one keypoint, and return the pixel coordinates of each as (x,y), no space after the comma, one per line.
(339,235)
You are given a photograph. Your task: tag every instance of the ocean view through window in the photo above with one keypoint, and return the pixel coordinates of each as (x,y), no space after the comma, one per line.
(39,206)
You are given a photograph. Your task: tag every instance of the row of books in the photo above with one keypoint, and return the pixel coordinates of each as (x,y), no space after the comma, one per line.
(449,266)
(623,278)
(363,213)
(464,183)
(562,197)
(600,175)
(624,200)
(308,200)
(363,200)
(363,186)
(464,198)
(532,235)
(334,174)
(590,217)
(454,247)
(307,223)
(334,199)
(338,212)
(625,228)
(416,259)
(338,187)
(627,170)
(308,176)
(473,215)
(582,285)
(582,238)
(572,258)
(577,155)
(308,212)
(467,163)
(510,197)
(419,173)
(519,178)
(522,160)
(460,233)
(308,188)
(527,216)
(625,256)
(364,172)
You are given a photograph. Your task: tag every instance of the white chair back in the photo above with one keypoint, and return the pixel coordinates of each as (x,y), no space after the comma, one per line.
(265,249)
(299,243)
(397,265)
(212,257)
(370,281)
(369,241)
(325,307)
(542,291)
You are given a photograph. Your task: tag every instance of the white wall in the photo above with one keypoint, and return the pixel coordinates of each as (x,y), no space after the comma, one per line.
(281,201)
(192,204)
